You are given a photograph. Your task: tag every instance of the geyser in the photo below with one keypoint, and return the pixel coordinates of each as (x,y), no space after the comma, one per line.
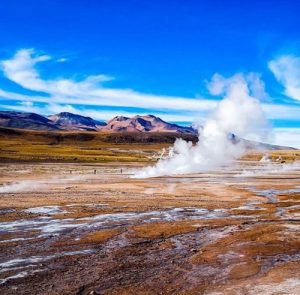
(239,113)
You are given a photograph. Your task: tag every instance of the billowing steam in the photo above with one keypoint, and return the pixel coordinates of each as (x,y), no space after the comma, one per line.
(33,185)
(238,113)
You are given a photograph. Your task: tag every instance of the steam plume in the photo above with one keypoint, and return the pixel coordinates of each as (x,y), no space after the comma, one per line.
(239,113)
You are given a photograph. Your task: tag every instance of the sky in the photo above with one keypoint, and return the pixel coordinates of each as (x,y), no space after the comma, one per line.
(107,58)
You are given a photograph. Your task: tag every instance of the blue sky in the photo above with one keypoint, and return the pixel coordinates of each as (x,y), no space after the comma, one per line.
(107,58)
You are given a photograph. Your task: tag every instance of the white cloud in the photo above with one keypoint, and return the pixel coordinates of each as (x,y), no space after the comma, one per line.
(104,115)
(30,107)
(219,85)
(255,87)
(273,111)
(21,69)
(287,137)
(286,70)
(27,104)
(282,111)
(63,59)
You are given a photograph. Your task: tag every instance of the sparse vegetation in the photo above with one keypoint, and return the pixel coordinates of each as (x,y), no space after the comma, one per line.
(275,155)
(94,147)
(89,147)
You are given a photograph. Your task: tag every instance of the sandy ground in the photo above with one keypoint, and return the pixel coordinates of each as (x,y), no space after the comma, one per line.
(88,229)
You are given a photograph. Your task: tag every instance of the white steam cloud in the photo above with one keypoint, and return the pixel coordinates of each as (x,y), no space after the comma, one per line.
(239,113)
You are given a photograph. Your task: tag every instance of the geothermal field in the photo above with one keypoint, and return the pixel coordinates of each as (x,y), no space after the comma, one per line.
(149,147)
(100,213)
(96,229)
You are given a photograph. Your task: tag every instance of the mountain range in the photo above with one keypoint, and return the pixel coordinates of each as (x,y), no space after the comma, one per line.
(69,121)
(120,129)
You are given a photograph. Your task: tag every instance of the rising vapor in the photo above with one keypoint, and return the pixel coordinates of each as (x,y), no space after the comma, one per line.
(239,113)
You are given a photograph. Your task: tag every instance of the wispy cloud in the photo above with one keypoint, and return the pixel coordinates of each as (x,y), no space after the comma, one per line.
(21,69)
(286,70)
(255,87)
(282,111)
(53,108)
(287,137)
(65,94)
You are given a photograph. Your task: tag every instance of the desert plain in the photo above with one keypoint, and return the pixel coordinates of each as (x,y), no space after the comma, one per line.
(73,220)
(90,228)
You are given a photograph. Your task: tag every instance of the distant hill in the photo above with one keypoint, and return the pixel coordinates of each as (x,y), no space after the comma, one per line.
(72,122)
(147,123)
(69,121)
(254,145)
(22,120)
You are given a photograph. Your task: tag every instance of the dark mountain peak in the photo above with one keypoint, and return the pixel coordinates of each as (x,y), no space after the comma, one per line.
(119,119)
(11,114)
(23,120)
(70,121)
(150,118)
(67,115)
(144,123)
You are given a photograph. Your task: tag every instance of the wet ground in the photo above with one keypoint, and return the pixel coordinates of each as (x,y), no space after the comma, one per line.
(88,229)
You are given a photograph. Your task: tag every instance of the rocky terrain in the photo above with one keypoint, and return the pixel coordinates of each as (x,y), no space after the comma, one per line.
(92,229)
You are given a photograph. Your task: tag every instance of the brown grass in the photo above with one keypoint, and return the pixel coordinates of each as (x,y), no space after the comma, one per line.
(18,145)
(163,229)
(89,147)
(168,229)
(244,270)
(286,155)
(259,240)
(100,236)
(97,237)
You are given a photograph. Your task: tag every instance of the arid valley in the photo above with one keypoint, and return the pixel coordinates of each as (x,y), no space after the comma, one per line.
(93,229)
